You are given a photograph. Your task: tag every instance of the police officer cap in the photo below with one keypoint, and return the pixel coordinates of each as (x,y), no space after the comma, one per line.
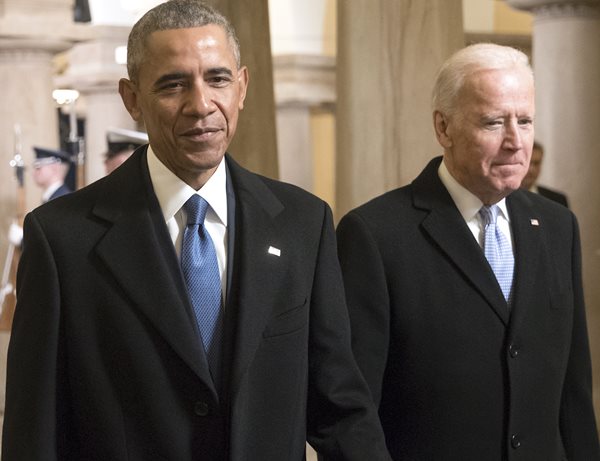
(120,139)
(45,156)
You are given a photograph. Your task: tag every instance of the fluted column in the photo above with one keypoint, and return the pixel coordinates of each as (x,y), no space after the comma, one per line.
(388,55)
(566,59)
(255,143)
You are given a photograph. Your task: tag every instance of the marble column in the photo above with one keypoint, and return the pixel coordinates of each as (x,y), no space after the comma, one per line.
(255,143)
(26,94)
(389,52)
(303,84)
(95,73)
(566,60)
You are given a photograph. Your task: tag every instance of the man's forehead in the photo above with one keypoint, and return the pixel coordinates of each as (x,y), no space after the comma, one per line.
(498,86)
(484,79)
(208,35)
(204,41)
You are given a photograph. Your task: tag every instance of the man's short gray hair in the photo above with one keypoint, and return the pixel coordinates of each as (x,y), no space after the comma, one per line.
(174,14)
(481,56)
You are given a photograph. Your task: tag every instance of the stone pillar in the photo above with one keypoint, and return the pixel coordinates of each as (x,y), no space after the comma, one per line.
(389,52)
(31,34)
(566,60)
(303,84)
(26,92)
(255,143)
(94,72)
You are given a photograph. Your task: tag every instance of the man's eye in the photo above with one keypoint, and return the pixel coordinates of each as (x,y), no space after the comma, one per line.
(220,80)
(493,123)
(525,121)
(171,85)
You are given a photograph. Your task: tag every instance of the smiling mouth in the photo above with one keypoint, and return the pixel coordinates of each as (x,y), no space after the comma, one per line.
(502,164)
(201,134)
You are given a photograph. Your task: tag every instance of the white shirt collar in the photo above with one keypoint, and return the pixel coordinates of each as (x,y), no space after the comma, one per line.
(172,192)
(50,190)
(468,204)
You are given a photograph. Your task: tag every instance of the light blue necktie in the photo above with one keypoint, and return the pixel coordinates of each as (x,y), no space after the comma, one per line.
(498,250)
(201,272)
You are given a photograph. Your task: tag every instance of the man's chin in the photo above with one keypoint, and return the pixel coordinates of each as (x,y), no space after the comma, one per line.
(508,189)
(207,158)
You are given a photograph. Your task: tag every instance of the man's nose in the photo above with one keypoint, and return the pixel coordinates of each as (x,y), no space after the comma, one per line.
(199,101)
(513,136)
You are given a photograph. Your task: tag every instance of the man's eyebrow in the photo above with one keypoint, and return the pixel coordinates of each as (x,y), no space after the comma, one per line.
(219,71)
(182,75)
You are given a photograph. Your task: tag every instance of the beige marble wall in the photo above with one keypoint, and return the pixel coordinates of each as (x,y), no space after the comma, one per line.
(388,54)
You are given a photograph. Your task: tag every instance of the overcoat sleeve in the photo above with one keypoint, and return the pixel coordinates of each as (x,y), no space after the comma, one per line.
(342,421)
(367,298)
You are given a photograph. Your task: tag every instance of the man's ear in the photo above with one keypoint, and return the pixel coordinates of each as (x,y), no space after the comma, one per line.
(441,123)
(243,78)
(128,92)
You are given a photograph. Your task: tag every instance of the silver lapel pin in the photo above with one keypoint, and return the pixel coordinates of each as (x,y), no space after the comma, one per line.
(274,251)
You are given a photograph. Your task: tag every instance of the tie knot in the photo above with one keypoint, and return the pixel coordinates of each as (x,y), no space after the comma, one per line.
(195,208)
(489,214)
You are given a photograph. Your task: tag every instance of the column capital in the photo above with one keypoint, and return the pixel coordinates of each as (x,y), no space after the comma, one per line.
(92,63)
(11,45)
(558,8)
(304,80)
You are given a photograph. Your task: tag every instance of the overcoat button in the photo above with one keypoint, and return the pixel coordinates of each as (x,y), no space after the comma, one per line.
(201,408)
(515,441)
(513,351)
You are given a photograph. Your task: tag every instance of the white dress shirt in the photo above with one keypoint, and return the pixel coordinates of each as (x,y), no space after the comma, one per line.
(172,193)
(469,205)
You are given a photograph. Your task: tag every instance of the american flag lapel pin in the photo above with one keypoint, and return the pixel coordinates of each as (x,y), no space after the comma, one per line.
(274,251)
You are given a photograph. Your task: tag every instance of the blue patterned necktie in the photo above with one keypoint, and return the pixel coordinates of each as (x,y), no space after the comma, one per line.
(201,272)
(498,250)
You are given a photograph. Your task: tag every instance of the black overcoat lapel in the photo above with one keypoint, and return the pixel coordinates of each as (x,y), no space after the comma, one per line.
(257,268)
(445,225)
(137,250)
(530,257)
